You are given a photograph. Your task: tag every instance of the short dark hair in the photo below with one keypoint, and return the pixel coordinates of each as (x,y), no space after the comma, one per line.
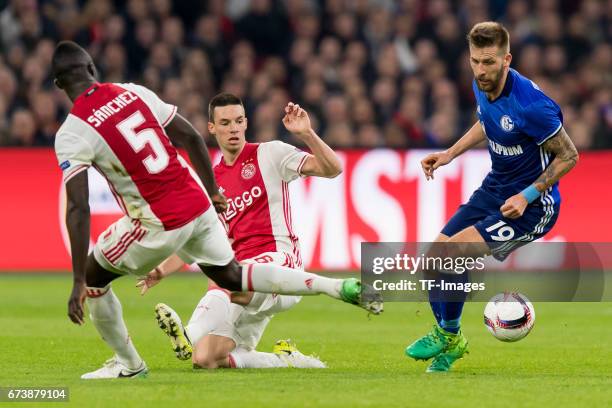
(69,59)
(489,33)
(222,99)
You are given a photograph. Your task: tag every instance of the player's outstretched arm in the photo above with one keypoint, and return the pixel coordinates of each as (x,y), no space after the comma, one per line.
(323,162)
(432,161)
(77,223)
(168,267)
(566,157)
(180,131)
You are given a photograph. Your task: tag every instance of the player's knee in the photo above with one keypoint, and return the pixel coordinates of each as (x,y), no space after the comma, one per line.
(204,359)
(95,275)
(226,276)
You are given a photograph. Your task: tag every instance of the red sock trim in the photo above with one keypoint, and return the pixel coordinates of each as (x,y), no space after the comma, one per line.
(96,292)
(232,362)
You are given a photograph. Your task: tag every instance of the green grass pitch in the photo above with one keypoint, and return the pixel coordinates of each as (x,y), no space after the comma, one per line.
(565,361)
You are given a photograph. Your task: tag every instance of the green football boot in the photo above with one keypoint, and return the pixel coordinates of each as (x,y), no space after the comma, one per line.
(454,351)
(430,345)
(364,296)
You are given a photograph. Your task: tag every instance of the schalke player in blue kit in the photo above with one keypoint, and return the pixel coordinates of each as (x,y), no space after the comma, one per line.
(518,201)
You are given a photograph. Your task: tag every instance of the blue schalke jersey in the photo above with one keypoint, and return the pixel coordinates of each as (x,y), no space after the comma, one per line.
(516,124)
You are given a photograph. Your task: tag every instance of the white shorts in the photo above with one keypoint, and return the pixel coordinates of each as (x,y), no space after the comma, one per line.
(130,247)
(246,324)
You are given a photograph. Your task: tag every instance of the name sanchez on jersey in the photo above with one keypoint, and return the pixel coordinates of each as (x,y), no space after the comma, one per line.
(110,108)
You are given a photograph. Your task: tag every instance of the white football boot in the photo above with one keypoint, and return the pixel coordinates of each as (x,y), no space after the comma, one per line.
(113,368)
(298,360)
(287,351)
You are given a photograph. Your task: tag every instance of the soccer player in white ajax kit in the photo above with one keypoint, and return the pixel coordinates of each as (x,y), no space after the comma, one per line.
(125,131)
(226,327)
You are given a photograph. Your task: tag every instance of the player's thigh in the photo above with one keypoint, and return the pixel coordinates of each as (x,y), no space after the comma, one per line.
(467,243)
(129,247)
(241,328)
(208,244)
(479,206)
(441,238)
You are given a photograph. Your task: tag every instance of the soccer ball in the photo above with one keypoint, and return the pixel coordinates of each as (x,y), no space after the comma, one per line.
(509,316)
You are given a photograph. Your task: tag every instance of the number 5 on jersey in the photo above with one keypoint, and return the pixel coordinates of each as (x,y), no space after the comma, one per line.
(156,162)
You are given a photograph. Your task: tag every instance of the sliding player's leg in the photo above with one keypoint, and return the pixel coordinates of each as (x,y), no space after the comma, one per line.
(221,346)
(247,326)
(210,249)
(224,334)
(250,326)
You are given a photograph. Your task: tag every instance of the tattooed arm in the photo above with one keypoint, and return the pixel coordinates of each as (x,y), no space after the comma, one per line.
(566,157)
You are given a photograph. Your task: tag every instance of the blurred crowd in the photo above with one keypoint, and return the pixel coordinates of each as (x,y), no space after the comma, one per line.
(371,73)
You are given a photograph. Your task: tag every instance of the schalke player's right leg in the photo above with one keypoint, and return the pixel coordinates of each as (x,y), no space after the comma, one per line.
(446,342)
(446,335)
(482,226)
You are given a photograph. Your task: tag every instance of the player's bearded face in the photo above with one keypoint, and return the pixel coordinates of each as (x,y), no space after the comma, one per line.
(489,82)
(229,127)
(488,67)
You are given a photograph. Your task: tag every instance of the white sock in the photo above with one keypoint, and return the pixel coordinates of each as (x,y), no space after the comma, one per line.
(211,312)
(242,358)
(106,314)
(270,278)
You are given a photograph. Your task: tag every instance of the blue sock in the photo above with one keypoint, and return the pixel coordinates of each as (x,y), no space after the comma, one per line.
(436,305)
(451,310)
(451,320)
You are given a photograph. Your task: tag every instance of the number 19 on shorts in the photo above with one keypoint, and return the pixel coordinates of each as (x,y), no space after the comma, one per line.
(504,232)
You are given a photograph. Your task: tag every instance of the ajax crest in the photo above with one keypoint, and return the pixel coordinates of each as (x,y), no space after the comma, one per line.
(506,123)
(248,171)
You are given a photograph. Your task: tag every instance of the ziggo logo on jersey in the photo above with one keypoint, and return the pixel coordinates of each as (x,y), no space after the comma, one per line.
(239,203)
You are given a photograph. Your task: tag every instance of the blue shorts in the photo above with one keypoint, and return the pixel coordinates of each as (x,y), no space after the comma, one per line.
(503,235)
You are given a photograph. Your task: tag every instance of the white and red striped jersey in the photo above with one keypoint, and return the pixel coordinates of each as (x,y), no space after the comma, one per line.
(119,130)
(258,215)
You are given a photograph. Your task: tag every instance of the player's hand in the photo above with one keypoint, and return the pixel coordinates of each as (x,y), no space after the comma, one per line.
(514,207)
(296,120)
(219,202)
(150,280)
(434,160)
(75,303)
